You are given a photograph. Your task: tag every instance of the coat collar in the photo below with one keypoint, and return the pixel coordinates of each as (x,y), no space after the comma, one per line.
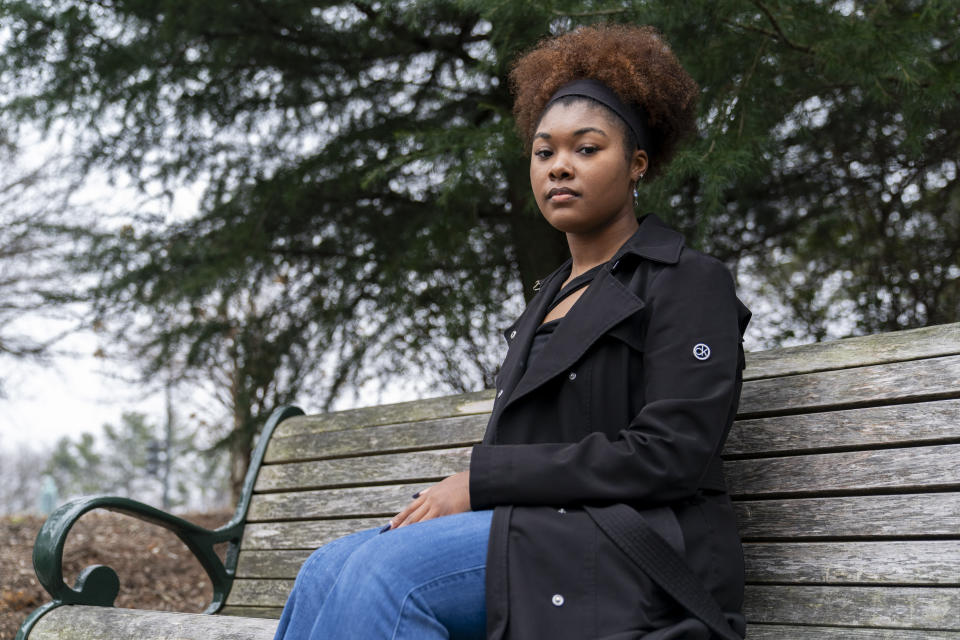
(653,240)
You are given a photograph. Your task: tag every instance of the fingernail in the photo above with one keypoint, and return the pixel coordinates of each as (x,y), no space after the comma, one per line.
(416,495)
(386,528)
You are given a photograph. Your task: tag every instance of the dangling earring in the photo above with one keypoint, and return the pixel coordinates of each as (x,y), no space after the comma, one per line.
(636,194)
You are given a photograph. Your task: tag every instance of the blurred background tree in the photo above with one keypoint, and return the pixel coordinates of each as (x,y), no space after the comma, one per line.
(366,210)
(34,274)
(118,461)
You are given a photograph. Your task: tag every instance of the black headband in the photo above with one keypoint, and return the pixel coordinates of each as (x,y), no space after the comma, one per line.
(634,117)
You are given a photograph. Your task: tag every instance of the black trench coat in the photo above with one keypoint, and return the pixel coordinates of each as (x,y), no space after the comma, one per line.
(629,402)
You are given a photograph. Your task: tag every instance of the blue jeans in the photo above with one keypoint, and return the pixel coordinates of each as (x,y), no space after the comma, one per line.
(422,581)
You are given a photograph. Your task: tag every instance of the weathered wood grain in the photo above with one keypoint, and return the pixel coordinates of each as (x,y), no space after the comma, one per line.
(897,424)
(896,346)
(259,593)
(418,466)
(934,378)
(905,563)
(302,535)
(793,632)
(934,514)
(96,623)
(909,469)
(912,467)
(891,607)
(272,563)
(414,411)
(333,503)
(270,613)
(444,432)
(907,423)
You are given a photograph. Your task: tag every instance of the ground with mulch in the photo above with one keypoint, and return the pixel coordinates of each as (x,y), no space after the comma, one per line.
(156,570)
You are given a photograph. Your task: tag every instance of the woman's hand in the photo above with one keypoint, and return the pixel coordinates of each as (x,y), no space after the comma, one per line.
(450,495)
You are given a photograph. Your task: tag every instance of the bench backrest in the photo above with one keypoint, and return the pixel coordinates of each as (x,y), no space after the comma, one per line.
(844,465)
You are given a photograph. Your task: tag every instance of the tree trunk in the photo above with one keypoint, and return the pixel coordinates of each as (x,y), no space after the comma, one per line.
(240,448)
(540,248)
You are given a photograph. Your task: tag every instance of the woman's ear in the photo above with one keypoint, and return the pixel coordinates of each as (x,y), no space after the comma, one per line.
(639,163)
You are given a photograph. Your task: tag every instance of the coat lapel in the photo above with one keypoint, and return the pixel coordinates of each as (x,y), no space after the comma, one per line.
(605,303)
(520,334)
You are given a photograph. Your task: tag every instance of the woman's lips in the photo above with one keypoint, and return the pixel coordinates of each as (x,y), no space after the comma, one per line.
(561,195)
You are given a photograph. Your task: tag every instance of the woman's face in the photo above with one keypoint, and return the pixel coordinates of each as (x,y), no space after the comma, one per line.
(579,171)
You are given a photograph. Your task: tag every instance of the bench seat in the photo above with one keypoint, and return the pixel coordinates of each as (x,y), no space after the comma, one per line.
(82,622)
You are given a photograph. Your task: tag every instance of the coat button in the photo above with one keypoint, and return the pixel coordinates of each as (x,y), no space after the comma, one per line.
(500,393)
(513,334)
(557,600)
(573,375)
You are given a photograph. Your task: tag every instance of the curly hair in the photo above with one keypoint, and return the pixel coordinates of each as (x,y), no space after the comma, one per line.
(635,62)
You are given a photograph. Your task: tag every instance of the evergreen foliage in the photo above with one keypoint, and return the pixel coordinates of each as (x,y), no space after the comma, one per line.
(368,208)
(33,271)
(117,463)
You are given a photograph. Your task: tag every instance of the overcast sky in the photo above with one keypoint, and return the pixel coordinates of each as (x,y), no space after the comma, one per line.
(70,396)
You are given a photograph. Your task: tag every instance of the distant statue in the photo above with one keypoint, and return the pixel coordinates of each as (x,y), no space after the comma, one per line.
(49,496)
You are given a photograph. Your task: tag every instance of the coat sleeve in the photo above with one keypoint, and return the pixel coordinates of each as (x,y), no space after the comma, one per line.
(664,452)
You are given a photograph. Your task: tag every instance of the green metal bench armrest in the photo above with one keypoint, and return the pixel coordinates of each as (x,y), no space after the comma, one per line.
(99,585)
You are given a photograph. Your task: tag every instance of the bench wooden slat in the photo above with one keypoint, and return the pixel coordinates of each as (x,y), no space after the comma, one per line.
(915,380)
(908,423)
(418,466)
(259,593)
(922,422)
(96,623)
(302,535)
(893,607)
(414,411)
(896,346)
(444,432)
(358,501)
(905,563)
(791,632)
(252,612)
(271,563)
(886,607)
(933,514)
(910,469)
(906,468)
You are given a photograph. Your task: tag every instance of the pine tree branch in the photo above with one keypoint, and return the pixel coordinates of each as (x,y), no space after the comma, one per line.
(780,34)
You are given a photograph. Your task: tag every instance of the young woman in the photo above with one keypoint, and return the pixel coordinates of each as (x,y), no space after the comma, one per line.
(595,506)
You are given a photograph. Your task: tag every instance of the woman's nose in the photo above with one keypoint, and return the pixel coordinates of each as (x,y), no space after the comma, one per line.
(561,167)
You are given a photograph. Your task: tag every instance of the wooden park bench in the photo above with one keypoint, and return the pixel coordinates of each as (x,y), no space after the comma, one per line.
(844,465)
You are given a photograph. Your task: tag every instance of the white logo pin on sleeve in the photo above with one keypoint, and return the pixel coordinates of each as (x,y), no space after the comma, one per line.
(701,351)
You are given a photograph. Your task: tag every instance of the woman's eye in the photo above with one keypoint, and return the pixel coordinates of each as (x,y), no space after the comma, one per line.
(543,153)
(588,149)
